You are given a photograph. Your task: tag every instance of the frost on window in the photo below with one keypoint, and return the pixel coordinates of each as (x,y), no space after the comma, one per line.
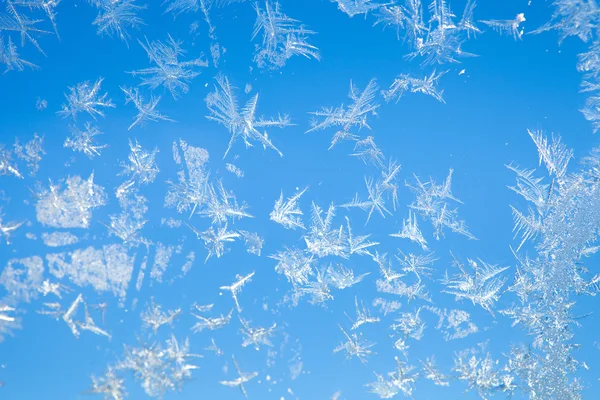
(348,121)
(146,110)
(288,212)
(427,85)
(14,20)
(71,205)
(116,17)
(108,269)
(241,123)
(190,192)
(482,286)
(243,377)
(83,141)
(31,152)
(510,27)
(357,7)
(9,56)
(59,239)
(21,278)
(168,70)
(355,346)
(7,228)
(282,37)
(433,202)
(86,97)
(159,367)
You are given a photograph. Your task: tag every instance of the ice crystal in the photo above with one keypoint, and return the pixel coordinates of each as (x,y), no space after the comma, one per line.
(427,85)
(171,73)
(83,141)
(10,57)
(234,170)
(444,36)
(401,380)
(410,325)
(419,265)
(481,374)
(7,228)
(141,168)
(47,6)
(222,205)
(111,385)
(348,120)
(368,152)
(355,347)
(482,286)
(410,230)
(146,111)
(282,37)
(31,152)
(236,287)
(58,239)
(253,242)
(432,202)
(15,21)
(508,27)
(211,323)
(115,17)
(106,269)
(431,372)
(322,240)
(215,241)
(243,377)
(190,192)
(159,369)
(288,213)
(244,124)
(86,97)
(342,277)
(295,265)
(154,317)
(356,7)
(363,315)
(256,337)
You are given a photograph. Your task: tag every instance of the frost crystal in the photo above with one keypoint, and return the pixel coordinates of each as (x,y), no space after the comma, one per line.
(410,230)
(282,37)
(432,202)
(508,27)
(85,97)
(7,228)
(243,377)
(256,337)
(154,317)
(349,120)
(168,71)
(356,7)
(16,22)
(355,347)
(243,123)
(236,287)
(115,17)
(363,315)
(11,58)
(72,206)
(146,111)
(83,141)
(482,287)
(427,85)
(211,323)
(288,213)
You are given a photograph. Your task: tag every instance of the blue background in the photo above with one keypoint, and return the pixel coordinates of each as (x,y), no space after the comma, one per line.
(509,87)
